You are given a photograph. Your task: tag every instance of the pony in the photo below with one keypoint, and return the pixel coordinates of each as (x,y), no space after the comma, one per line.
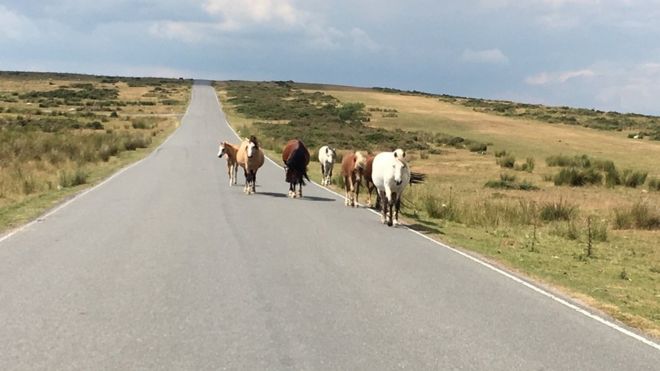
(232,167)
(327,157)
(296,158)
(391,175)
(369,182)
(352,169)
(250,157)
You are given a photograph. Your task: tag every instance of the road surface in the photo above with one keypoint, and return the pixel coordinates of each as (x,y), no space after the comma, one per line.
(165,266)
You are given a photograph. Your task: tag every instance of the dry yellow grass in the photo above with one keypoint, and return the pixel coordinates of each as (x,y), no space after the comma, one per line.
(531,138)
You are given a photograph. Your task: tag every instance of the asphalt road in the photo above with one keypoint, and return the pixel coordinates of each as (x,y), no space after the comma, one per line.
(166,266)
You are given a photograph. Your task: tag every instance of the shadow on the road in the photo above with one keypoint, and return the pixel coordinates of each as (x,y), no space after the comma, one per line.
(426,229)
(272,194)
(305,198)
(313,198)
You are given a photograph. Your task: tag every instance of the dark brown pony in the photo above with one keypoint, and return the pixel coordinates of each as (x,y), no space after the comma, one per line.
(296,157)
(352,169)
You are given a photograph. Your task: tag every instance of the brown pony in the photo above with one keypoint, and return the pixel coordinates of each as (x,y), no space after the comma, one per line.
(369,182)
(250,157)
(352,169)
(232,167)
(295,157)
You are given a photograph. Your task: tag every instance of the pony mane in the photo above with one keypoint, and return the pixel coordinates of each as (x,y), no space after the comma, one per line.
(360,160)
(253,139)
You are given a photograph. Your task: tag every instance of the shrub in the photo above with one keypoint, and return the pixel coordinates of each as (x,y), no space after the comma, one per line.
(638,216)
(654,184)
(72,179)
(632,179)
(561,210)
(505,183)
(577,178)
(478,147)
(612,177)
(582,161)
(507,161)
(528,166)
(501,153)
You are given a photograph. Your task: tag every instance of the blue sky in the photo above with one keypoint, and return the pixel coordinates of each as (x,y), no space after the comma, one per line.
(587,53)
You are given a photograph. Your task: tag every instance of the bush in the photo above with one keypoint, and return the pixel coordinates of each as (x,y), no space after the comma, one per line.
(478,147)
(561,210)
(73,178)
(654,184)
(501,153)
(577,178)
(637,216)
(563,161)
(632,179)
(507,161)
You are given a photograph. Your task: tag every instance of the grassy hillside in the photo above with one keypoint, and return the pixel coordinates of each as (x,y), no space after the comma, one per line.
(60,133)
(575,207)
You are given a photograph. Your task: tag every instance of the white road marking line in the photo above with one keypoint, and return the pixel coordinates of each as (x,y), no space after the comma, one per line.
(493,268)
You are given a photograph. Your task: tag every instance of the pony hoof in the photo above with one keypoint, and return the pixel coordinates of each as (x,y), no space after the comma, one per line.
(389,223)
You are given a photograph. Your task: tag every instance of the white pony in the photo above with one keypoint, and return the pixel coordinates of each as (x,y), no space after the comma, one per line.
(327,157)
(390,175)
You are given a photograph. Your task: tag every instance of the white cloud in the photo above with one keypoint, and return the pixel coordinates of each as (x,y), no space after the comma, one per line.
(236,15)
(14,26)
(490,56)
(362,40)
(545,78)
(189,32)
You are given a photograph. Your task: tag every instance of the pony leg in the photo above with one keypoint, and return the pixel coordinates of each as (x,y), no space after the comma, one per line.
(389,202)
(397,207)
(254,182)
(291,193)
(299,194)
(357,191)
(383,216)
(235,177)
(347,189)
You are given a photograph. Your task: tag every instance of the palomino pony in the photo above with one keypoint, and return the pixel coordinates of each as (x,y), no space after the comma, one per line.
(232,167)
(296,157)
(327,157)
(250,157)
(391,175)
(352,169)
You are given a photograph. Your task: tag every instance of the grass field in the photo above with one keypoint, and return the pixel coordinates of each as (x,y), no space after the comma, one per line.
(60,133)
(599,244)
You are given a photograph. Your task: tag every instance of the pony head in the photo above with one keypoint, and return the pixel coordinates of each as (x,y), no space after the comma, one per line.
(222,150)
(252,146)
(399,165)
(331,153)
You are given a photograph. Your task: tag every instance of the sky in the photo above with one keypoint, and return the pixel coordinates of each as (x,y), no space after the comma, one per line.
(584,53)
